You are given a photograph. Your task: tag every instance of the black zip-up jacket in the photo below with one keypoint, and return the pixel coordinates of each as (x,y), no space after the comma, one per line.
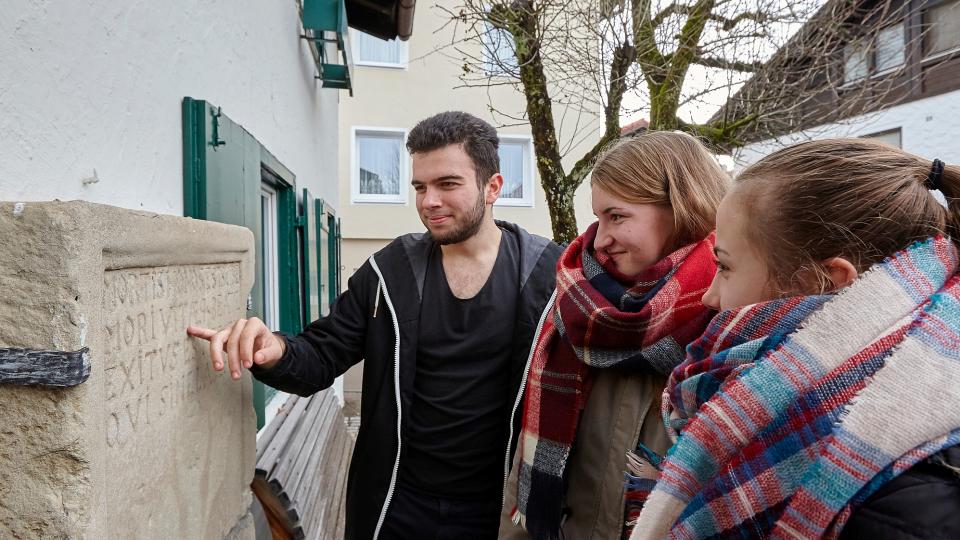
(376,319)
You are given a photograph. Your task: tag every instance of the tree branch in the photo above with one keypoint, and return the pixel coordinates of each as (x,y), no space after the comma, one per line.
(673,9)
(723,63)
(729,24)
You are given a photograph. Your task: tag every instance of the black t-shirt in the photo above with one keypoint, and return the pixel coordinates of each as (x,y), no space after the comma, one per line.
(458,422)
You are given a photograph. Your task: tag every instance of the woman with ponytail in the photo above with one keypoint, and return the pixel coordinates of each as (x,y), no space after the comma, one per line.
(626,306)
(823,401)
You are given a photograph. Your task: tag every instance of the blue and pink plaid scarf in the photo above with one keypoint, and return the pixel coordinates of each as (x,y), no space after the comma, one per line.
(791,413)
(600,320)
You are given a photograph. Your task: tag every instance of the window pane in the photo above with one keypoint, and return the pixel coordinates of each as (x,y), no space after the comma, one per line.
(944,31)
(855,63)
(511,167)
(373,49)
(890,47)
(379,160)
(891,137)
(499,57)
(312,260)
(323,244)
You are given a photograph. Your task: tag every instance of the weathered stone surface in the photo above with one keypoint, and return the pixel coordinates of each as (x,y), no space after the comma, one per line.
(154,444)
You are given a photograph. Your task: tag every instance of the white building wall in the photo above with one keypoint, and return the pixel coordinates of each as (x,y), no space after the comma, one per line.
(929,128)
(97,85)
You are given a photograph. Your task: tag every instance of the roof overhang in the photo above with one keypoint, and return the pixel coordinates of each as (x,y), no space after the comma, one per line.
(385,19)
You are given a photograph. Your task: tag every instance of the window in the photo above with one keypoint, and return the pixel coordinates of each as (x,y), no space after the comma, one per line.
(875,57)
(373,51)
(268,248)
(499,52)
(891,137)
(943,28)
(516,166)
(891,48)
(380,166)
(855,65)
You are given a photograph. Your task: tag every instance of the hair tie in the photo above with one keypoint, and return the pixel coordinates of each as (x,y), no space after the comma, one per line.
(936,174)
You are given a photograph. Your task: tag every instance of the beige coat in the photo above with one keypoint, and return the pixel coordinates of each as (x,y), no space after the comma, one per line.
(621,410)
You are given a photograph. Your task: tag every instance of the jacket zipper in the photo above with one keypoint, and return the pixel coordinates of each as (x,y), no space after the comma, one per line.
(382,285)
(523,386)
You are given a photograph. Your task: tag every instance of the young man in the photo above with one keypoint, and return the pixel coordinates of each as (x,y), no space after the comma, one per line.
(444,321)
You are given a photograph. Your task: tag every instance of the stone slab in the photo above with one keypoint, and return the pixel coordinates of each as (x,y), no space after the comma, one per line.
(154,444)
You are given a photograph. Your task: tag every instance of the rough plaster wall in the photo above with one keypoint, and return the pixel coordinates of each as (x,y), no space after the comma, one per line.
(97,84)
(929,128)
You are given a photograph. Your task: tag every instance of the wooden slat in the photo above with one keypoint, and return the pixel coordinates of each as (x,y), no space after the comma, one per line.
(295,444)
(345,467)
(44,368)
(321,488)
(313,426)
(340,492)
(311,478)
(316,446)
(272,453)
(329,491)
(302,466)
(265,436)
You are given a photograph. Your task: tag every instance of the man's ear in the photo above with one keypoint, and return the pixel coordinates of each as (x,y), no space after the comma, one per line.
(492,188)
(839,271)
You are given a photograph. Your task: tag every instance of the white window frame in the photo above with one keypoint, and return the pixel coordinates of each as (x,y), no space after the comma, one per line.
(529,172)
(271,269)
(271,296)
(357,61)
(367,198)
(493,65)
(884,136)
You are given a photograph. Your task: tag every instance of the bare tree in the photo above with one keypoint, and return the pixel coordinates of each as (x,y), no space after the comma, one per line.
(573,59)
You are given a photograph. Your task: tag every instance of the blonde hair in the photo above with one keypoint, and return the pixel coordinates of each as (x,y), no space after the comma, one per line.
(666,168)
(853,198)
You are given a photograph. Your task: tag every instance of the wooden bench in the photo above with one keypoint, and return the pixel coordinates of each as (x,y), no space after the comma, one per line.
(301,472)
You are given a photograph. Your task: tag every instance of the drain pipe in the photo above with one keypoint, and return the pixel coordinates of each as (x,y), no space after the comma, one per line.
(405,18)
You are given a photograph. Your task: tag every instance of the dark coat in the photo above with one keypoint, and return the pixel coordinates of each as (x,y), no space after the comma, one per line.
(377,319)
(921,503)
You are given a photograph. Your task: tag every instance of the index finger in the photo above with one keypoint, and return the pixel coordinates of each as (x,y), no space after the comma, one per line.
(200,332)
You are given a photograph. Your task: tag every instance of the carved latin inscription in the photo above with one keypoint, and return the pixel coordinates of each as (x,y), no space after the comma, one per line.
(152,369)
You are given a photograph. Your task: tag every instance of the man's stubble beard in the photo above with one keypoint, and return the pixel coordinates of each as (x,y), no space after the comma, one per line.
(474,220)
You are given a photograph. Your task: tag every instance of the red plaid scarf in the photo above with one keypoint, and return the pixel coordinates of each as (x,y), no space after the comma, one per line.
(601,319)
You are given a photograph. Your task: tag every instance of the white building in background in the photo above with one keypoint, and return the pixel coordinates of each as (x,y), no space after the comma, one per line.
(397,84)
(217,110)
(921,51)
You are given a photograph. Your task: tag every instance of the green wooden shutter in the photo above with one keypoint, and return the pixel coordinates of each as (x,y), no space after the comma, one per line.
(223,168)
(333,248)
(312,257)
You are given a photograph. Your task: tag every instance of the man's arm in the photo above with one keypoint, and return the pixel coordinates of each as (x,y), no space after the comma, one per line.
(302,364)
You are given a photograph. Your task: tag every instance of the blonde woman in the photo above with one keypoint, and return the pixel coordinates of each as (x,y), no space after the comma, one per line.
(822,401)
(627,303)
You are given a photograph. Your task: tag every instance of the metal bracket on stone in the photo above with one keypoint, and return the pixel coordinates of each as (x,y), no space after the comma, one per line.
(44,368)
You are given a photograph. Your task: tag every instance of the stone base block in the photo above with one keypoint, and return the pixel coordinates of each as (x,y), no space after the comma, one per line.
(154,444)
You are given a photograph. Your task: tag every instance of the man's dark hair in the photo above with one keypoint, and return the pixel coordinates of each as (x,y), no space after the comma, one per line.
(478,138)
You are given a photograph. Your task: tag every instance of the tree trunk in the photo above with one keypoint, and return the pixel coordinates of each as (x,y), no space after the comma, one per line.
(563,219)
